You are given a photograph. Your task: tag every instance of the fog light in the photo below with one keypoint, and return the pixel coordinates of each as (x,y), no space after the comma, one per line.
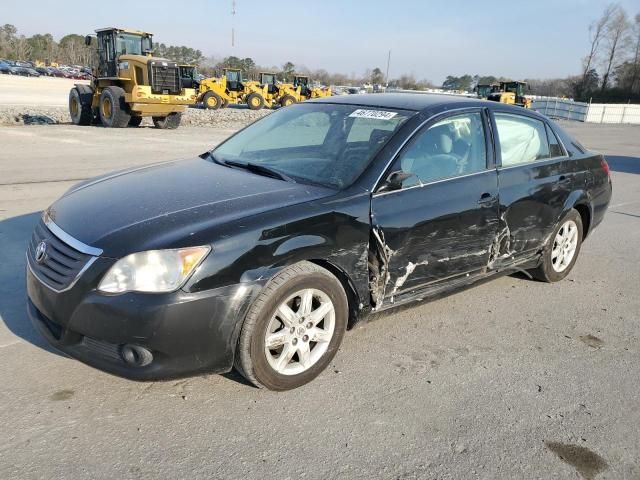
(136,355)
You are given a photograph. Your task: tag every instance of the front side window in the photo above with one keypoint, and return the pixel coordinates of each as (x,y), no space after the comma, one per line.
(325,144)
(131,44)
(522,139)
(451,147)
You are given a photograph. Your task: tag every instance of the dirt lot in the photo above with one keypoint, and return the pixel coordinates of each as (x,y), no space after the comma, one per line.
(511,379)
(40,91)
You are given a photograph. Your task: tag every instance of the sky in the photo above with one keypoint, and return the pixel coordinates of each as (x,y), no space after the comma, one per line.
(429,39)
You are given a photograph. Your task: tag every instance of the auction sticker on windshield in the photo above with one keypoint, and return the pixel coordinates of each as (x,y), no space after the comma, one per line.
(374,114)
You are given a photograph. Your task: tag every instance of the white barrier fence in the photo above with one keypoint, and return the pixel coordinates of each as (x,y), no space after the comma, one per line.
(587,112)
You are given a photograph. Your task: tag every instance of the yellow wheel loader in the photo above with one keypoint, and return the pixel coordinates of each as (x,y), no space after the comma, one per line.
(282,94)
(218,92)
(128,84)
(306,91)
(511,93)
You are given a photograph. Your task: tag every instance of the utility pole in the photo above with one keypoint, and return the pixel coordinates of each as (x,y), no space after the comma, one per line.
(233,16)
(387,75)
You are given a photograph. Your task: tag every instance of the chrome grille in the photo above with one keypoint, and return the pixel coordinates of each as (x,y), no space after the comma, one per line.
(165,79)
(61,264)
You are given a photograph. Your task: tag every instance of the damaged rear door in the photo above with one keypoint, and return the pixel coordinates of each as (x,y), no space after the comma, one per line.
(435,214)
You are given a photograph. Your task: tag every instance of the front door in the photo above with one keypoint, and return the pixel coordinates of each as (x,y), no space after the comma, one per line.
(442,220)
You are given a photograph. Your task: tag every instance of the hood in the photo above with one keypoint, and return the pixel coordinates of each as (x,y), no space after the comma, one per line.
(161,205)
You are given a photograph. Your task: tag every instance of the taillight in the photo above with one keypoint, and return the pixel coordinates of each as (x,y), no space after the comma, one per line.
(604,165)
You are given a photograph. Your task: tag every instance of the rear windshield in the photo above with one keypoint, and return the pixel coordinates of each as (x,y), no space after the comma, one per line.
(325,144)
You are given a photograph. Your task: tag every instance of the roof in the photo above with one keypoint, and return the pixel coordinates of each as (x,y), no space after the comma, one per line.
(404,101)
(125,30)
(416,101)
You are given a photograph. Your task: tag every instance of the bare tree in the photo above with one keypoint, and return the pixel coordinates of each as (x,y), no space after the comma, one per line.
(635,73)
(597,31)
(616,38)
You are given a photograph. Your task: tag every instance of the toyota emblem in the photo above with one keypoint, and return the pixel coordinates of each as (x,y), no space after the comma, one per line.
(41,252)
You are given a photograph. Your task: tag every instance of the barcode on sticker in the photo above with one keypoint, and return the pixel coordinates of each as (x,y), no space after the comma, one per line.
(373,114)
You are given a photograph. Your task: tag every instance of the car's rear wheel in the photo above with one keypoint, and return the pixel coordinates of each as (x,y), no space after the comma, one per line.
(561,252)
(293,329)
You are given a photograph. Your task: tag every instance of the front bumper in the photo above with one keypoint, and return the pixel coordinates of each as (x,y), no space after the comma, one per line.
(185,333)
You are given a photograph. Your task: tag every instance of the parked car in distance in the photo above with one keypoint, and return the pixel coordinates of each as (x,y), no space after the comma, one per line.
(5,67)
(32,72)
(17,70)
(303,224)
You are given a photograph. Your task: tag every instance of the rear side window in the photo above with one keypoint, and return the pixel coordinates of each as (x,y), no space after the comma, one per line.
(522,139)
(555,148)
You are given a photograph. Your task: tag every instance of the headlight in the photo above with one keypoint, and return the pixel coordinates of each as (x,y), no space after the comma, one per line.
(153,271)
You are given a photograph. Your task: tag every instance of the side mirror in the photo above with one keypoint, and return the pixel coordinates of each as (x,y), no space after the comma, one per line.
(87,40)
(395,179)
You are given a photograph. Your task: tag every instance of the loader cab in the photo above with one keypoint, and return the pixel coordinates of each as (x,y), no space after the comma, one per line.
(189,76)
(234,79)
(303,83)
(113,42)
(269,79)
(484,90)
(514,87)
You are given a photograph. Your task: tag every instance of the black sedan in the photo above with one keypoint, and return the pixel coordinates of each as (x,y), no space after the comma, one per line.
(262,252)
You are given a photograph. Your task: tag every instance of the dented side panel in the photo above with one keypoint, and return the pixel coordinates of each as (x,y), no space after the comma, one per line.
(425,234)
(532,199)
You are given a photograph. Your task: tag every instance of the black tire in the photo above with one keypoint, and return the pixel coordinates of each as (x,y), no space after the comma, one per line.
(80,106)
(170,122)
(546,272)
(255,101)
(135,121)
(212,101)
(287,100)
(114,111)
(251,360)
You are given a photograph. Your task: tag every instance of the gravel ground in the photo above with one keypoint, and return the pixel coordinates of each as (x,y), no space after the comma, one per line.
(44,100)
(511,379)
(233,117)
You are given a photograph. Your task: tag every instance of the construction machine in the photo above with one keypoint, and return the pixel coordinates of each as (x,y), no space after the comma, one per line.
(306,91)
(511,93)
(485,89)
(129,83)
(282,94)
(217,92)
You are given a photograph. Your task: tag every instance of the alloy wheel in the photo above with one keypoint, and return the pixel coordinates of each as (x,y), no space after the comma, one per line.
(564,246)
(300,331)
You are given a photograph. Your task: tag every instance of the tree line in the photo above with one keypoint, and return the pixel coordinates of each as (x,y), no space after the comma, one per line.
(610,69)
(72,50)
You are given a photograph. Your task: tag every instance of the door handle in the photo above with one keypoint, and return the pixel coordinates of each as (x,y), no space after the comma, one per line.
(486,198)
(563,179)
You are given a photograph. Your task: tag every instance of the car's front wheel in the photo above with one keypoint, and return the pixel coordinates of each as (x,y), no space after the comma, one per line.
(293,329)
(561,252)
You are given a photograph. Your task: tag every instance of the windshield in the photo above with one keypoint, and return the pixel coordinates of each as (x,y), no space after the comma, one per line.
(323,144)
(132,44)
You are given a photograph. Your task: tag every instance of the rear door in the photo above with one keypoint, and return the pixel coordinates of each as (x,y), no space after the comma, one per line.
(441,221)
(535,181)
